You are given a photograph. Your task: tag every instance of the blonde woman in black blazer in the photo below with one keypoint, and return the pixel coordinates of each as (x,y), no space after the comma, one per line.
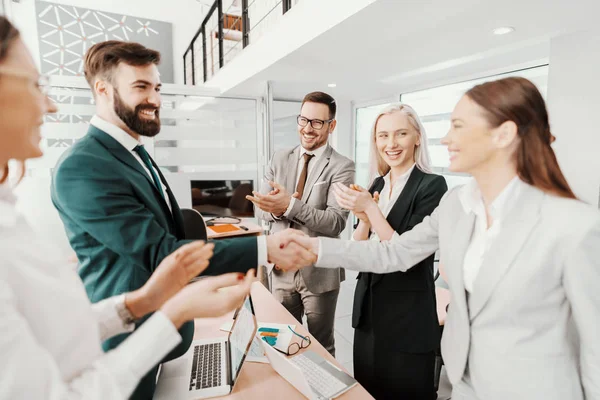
(394,315)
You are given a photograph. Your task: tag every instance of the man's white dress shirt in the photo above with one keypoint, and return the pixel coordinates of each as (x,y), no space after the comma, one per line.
(50,333)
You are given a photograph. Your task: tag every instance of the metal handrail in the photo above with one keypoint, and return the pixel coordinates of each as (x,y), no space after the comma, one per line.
(217,7)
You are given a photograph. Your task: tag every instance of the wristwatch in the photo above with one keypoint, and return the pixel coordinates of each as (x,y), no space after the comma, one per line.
(123,312)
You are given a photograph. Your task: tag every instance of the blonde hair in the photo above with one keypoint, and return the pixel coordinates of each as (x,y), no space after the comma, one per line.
(422,158)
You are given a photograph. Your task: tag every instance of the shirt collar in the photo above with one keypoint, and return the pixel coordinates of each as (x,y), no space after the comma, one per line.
(115,132)
(317,153)
(401,179)
(471,200)
(8,211)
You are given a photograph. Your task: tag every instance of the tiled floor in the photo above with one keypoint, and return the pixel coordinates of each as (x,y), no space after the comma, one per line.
(344,333)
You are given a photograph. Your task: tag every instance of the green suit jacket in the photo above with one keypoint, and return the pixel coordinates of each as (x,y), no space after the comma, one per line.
(120,226)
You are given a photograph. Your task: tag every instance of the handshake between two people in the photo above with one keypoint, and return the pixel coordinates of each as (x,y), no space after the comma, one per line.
(169,289)
(299,250)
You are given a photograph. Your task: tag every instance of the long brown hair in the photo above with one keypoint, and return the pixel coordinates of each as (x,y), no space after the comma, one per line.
(8,34)
(519,100)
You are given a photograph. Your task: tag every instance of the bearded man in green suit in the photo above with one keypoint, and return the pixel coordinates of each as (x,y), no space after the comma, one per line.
(119,213)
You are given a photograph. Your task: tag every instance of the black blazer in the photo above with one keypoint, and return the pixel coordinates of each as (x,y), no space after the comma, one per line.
(403,307)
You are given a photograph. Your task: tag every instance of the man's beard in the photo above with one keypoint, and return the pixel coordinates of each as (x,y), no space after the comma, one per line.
(132,119)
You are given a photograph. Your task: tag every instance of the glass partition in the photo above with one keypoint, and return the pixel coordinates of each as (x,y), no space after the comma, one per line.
(203,137)
(435,105)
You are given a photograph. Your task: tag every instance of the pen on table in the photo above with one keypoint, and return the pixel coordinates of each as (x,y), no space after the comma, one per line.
(243,227)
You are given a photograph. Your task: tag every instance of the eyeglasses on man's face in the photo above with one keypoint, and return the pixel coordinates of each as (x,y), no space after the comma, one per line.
(295,347)
(315,123)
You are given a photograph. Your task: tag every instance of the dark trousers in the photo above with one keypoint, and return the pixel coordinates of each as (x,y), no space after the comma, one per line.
(291,291)
(145,389)
(387,373)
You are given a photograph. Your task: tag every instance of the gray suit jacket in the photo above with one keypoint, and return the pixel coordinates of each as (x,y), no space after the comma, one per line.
(531,327)
(317,213)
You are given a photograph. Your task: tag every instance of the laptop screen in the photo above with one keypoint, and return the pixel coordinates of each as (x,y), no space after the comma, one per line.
(241,336)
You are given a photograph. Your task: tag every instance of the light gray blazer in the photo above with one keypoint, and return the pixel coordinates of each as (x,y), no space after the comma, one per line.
(317,213)
(531,327)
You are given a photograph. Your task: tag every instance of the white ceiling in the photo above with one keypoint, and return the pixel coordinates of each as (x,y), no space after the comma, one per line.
(394,46)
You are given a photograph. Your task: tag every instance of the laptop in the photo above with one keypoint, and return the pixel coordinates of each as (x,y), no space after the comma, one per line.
(211,366)
(310,374)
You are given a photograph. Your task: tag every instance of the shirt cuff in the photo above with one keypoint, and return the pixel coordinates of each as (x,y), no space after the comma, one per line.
(395,237)
(261,243)
(319,254)
(109,320)
(290,206)
(142,351)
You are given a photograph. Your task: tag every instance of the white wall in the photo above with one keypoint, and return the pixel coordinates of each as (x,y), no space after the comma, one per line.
(342,139)
(186,18)
(574,104)
(304,22)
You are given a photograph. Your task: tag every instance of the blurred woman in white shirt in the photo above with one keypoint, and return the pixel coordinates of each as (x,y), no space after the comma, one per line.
(50,334)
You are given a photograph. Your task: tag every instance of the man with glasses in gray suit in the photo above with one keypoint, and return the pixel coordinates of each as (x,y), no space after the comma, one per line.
(296,193)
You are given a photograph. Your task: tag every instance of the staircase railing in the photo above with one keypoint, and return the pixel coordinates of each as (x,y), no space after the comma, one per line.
(224,33)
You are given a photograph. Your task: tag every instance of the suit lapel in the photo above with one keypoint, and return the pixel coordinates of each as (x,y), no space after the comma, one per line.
(175,211)
(120,152)
(292,168)
(516,227)
(125,156)
(316,172)
(401,208)
(454,260)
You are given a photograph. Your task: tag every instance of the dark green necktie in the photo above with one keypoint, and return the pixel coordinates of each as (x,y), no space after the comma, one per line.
(146,159)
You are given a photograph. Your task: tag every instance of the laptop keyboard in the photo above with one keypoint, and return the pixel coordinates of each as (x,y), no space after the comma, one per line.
(318,378)
(206,366)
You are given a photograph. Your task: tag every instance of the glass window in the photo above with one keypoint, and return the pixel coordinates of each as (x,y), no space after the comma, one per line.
(365,116)
(285,127)
(435,105)
(202,138)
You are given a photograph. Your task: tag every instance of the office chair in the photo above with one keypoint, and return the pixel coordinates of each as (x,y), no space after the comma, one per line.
(238,203)
(193,225)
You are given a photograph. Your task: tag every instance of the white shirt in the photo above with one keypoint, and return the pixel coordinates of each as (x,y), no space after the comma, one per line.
(387,197)
(130,143)
(318,153)
(127,141)
(50,334)
(483,237)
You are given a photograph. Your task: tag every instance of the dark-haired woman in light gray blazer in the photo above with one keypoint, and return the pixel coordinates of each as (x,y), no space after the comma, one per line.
(522,256)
